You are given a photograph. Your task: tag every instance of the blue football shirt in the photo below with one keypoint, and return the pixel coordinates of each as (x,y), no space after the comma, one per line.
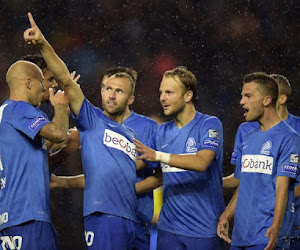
(24,174)
(264,156)
(144,128)
(108,159)
(192,201)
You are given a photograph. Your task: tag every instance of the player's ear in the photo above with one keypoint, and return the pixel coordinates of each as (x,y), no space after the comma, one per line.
(188,96)
(28,83)
(131,100)
(282,99)
(267,101)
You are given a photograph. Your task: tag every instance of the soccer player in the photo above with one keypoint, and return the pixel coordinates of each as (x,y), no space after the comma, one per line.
(25,219)
(285,90)
(190,149)
(266,166)
(108,152)
(144,128)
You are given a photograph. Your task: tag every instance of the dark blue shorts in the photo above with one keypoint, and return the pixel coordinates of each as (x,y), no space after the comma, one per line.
(254,247)
(29,235)
(142,237)
(109,232)
(166,240)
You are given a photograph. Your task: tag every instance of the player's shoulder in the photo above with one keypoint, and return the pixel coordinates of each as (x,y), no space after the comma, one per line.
(201,117)
(143,118)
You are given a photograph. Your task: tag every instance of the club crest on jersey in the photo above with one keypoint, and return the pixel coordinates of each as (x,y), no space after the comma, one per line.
(191,145)
(213,133)
(294,158)
(265,149)
(37,122)
(257,164)
(120,142)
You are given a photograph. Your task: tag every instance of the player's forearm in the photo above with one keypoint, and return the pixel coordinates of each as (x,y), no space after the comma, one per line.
(230,182)
(55,64)
(282,183)
(230,209)
(60,123)
(148,184)
(190,162)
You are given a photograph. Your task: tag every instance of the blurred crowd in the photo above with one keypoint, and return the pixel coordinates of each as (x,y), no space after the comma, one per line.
(219,41)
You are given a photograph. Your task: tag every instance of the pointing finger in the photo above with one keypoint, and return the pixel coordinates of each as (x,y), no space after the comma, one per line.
(31,20)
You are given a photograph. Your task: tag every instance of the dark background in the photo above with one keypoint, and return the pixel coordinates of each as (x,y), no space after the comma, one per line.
(219,41)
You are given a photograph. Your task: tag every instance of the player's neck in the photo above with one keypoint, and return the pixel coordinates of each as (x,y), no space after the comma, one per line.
(126,114)
(283,112)
(117,118)
(185,116)
(269,119)
(18,97)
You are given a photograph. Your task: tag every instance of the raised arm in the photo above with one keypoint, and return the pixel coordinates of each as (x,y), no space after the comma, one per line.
(56,65)
(198,162)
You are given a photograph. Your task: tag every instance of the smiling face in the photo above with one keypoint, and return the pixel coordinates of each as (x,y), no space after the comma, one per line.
(252,101)
(172,95)
(116,96)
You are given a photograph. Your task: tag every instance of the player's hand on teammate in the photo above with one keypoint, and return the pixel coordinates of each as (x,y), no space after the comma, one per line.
(223,229)
(33,34)
(146,153)
(272,234)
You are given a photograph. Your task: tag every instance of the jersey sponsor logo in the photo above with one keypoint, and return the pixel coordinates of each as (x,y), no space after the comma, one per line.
(210,144)
(190,145)
(3,218)
(257,164)
(168,168)
(294,158)
(89,238)
(213,133)
(265,149)
(1,111)
(11,242)
(120,142)
(289,168)
(37,122)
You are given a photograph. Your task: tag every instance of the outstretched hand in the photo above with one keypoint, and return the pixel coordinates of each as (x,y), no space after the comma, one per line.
(33,34)
(147,154)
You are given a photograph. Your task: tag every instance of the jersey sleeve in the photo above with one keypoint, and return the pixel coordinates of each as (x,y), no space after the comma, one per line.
(237,146)
(87,114)
(288,162)
(28,119)
(211,135)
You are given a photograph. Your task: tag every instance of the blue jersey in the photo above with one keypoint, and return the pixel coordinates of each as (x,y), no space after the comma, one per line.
(144,128)
(24,174)
(192,201)
(108,159)
(264,156)
(294,122)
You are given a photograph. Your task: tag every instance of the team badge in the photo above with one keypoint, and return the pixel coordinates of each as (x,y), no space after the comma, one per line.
(265,149)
